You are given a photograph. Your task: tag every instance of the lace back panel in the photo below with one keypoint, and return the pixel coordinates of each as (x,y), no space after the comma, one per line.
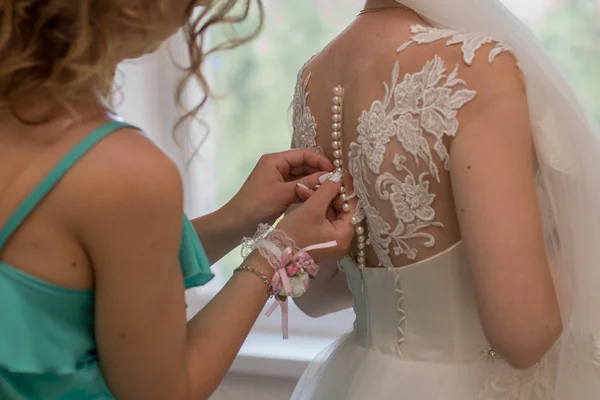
(401,112)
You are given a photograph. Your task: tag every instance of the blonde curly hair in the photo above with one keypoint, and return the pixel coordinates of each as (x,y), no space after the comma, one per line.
(69,49)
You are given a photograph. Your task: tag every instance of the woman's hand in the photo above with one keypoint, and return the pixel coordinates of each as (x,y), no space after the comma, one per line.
(268,192)
(271,187)
(313,222)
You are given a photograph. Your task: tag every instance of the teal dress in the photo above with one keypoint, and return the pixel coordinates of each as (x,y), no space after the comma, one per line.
(47,345)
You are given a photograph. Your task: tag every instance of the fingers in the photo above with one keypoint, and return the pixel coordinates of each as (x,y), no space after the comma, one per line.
(327,193)
(306,187)
(338,212)
(303,193)
(313,181)
(290,161)
(338,205)
(299,172)
(343,221)
(348,195)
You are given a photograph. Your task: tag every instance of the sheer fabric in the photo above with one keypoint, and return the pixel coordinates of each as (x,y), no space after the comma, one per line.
(417,333)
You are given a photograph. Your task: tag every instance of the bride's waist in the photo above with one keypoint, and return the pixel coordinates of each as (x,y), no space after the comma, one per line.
(431,347)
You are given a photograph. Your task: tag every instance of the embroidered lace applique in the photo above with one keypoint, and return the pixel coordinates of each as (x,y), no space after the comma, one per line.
(471,42)
(423,104)
(305,126)
(418,112)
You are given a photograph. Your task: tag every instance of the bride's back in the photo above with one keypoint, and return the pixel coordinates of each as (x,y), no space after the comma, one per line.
(433,126)
(400,112)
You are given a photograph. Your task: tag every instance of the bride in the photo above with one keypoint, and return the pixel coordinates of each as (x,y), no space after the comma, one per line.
(475,273)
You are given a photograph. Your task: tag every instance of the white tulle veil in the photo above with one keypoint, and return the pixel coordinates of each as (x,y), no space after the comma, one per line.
(567,144)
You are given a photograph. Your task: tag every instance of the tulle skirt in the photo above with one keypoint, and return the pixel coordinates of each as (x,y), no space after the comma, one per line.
(348,371)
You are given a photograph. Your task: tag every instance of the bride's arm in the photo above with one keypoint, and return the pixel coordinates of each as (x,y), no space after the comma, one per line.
(327,293)
(496,202)
(266,194)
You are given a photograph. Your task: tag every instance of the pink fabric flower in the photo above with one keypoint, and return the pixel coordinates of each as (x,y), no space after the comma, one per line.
(303,257)
(292,269)
(312,268)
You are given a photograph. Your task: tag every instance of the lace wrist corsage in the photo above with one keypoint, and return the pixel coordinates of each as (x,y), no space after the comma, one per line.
(294,267)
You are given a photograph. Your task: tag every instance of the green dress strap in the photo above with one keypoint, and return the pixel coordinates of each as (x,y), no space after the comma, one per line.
(55,175)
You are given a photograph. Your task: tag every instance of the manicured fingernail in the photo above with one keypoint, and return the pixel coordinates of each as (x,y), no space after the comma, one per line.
(317,186)
(324,177)
(336,177)
(302,186)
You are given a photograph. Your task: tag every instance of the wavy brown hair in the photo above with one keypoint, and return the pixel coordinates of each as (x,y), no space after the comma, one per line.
(69,49)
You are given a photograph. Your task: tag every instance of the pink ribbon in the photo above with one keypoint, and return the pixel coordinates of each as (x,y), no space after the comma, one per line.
(284,315)
(286,256)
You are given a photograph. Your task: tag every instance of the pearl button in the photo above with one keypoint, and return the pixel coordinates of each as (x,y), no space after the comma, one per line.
(337,154)
(337,162)
(361,253)
(337,91)
(346,207)
(360,230)
(343,189)
(336,144)
(361,260)
(337,100)
(344,197)
(354,220)
(361,246)
(361,239)
(336,109)
(336,135)
(336,117)
(336,126)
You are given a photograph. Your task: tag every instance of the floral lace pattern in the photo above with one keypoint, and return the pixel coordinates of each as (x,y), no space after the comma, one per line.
(423,104)
(305,126)
(471,42)
(420,108)
(269,242)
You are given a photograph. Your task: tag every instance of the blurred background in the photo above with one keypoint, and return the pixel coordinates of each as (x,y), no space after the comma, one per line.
(250,117)
(258,79)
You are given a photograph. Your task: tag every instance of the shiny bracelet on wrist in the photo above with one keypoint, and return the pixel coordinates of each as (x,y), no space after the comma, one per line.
(294,267)
(258,274)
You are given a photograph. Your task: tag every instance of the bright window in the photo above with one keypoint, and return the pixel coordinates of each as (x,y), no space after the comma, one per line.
(258,81)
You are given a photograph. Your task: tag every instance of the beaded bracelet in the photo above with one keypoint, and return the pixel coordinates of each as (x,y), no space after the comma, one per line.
(294,267)
(259,275)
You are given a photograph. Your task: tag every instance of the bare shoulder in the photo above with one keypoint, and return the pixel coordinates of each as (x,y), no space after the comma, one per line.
(476,62)
(495,71)
(125,179)
(483,62)
(127,164)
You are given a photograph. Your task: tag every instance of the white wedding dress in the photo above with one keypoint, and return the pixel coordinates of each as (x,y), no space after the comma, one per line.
(417,334)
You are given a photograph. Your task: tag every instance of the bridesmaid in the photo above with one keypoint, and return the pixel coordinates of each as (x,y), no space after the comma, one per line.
(95,251)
